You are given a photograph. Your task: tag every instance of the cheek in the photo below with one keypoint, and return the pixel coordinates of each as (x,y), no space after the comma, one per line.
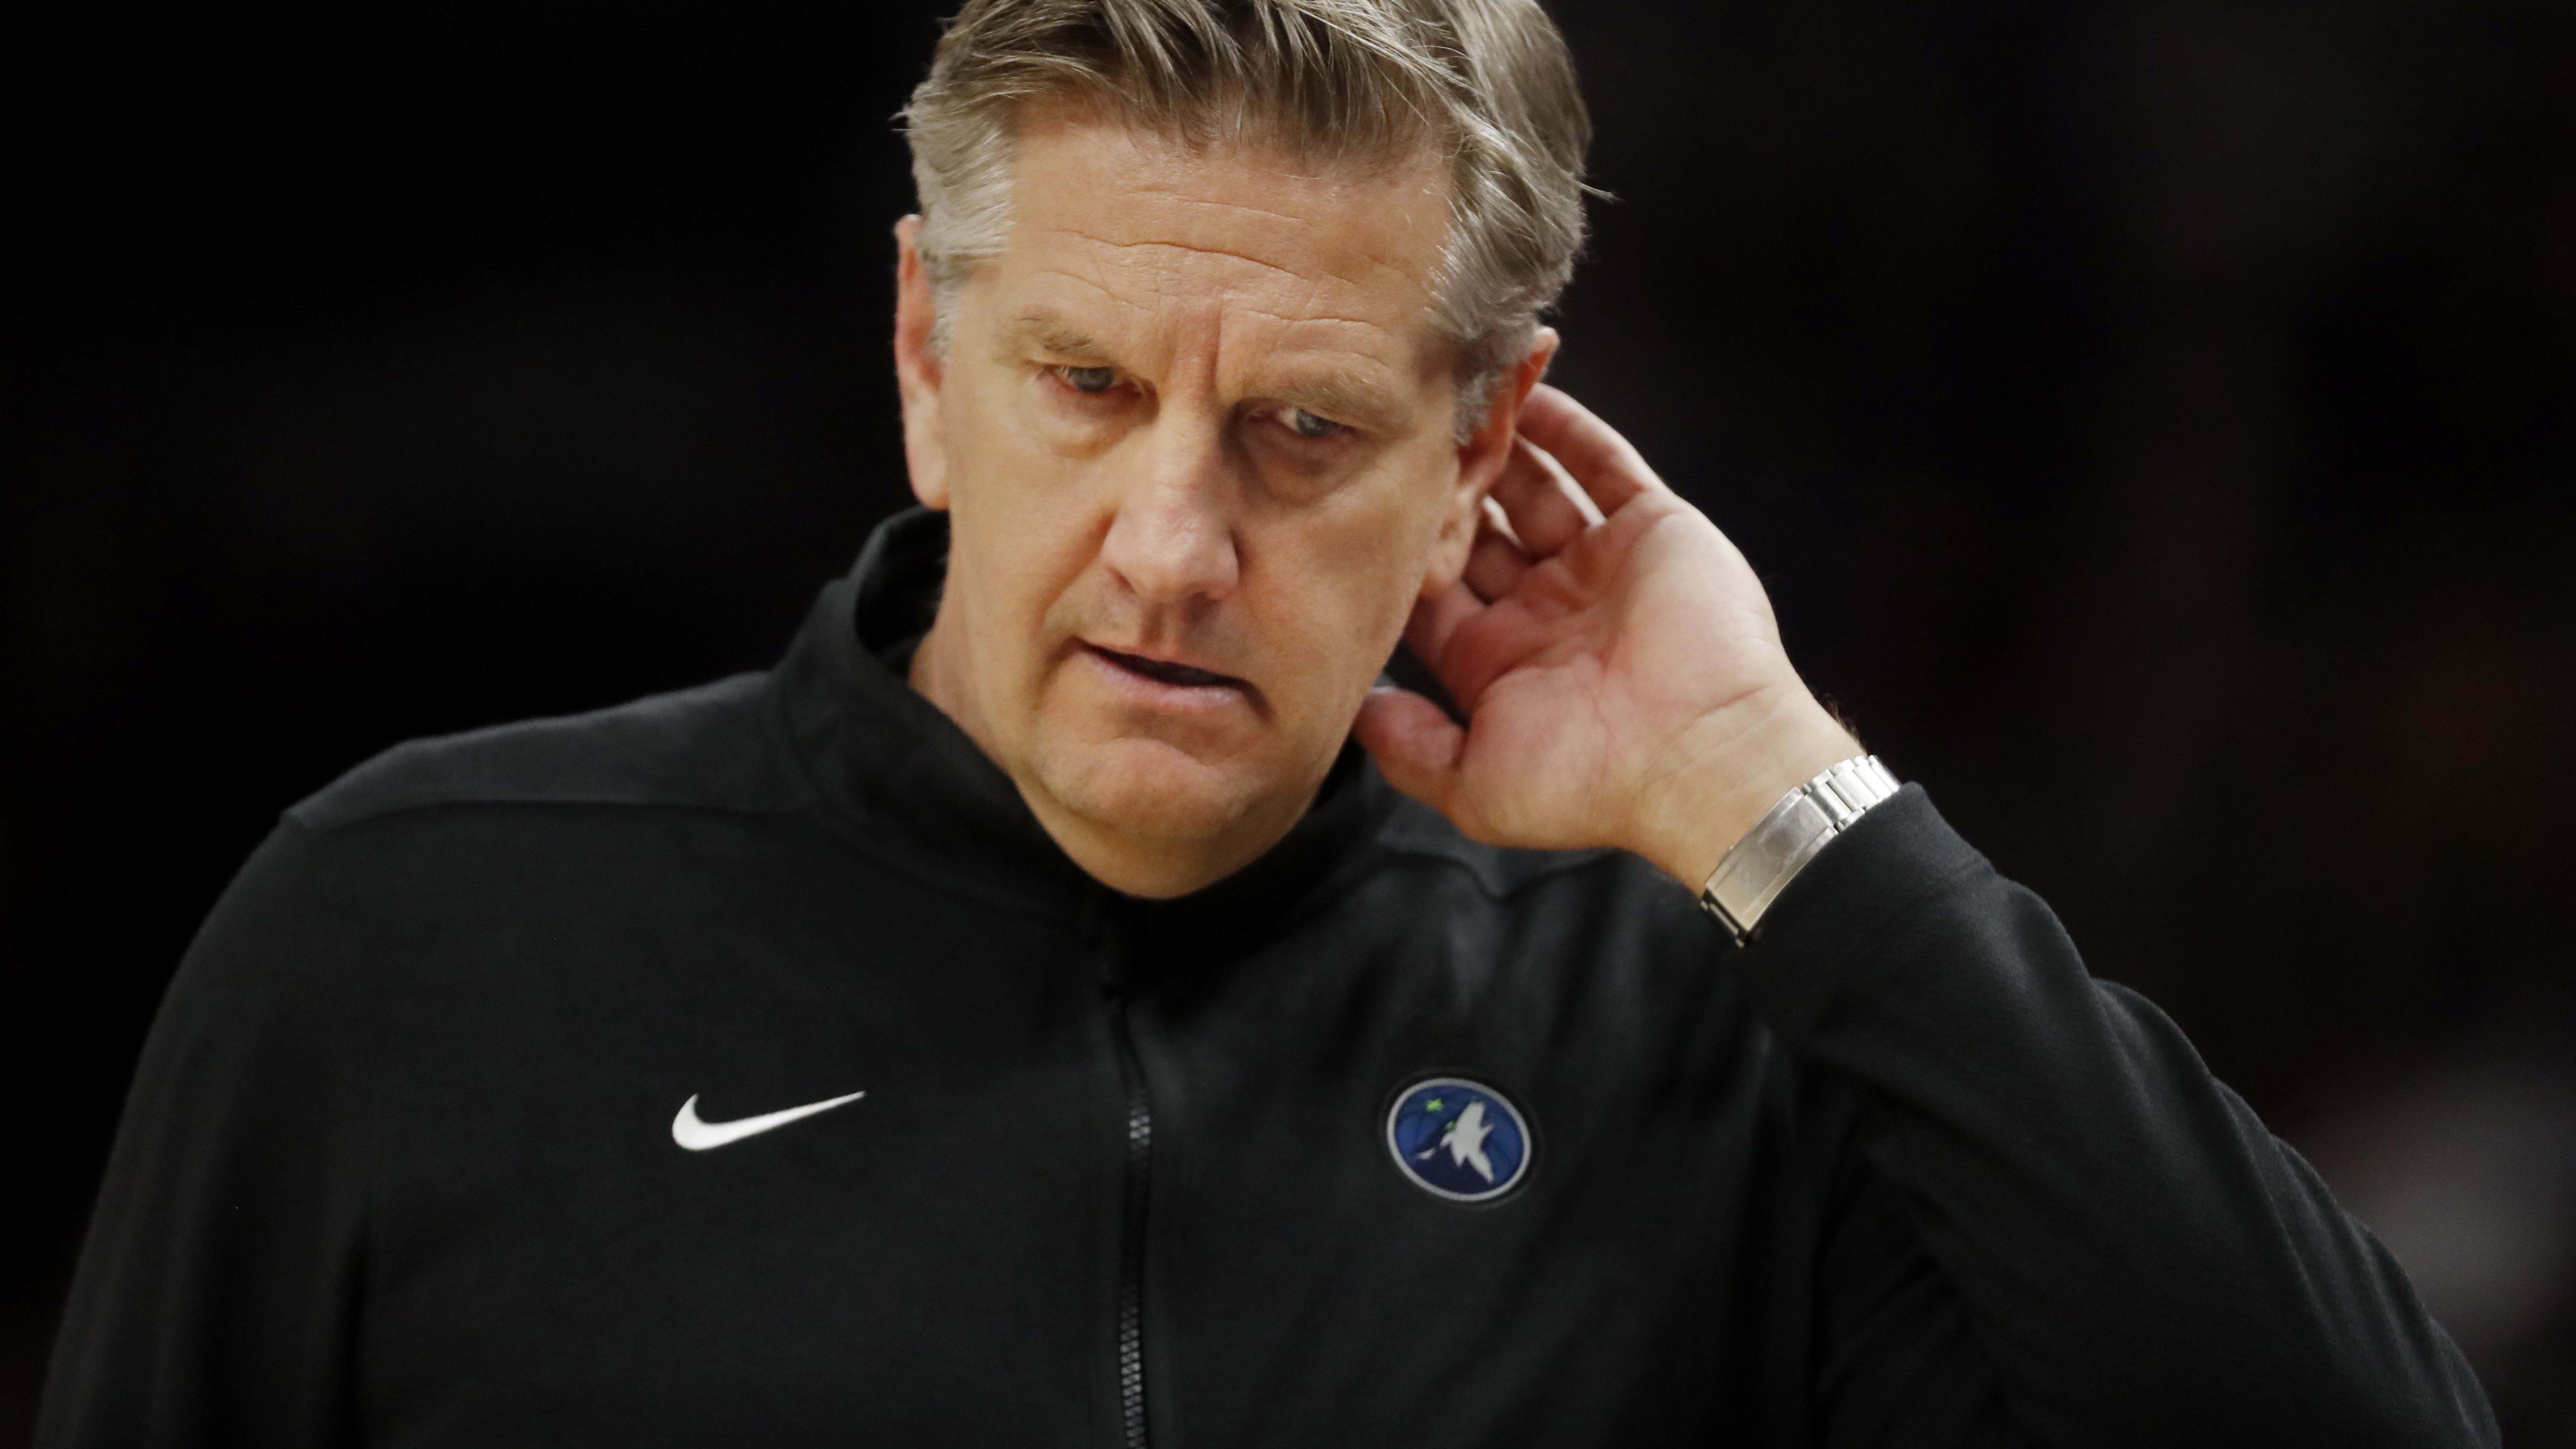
(1021,568)
(1397,531)
(1350,579)
(1017,531)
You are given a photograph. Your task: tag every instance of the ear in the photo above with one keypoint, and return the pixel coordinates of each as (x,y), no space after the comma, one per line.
(1480,461)
(918,368)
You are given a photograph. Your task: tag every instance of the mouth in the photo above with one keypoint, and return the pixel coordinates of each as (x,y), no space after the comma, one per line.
(1164,671)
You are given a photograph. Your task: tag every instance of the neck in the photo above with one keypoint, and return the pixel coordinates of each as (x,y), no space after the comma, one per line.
(1156,867)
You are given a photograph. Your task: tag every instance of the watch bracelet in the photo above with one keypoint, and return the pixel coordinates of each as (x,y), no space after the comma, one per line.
(1753,872)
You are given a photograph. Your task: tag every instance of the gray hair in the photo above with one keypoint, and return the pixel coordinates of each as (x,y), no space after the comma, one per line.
(1485,84)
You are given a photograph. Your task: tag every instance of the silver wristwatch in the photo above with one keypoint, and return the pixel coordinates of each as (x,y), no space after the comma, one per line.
(1757,868)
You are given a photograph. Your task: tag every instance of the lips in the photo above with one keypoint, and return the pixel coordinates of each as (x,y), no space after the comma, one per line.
(1163,671)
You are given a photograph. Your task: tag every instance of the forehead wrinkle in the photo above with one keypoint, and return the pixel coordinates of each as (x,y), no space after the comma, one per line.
(1211,203)
(1041,311)
(1319,319)
(1073,157)
(1159,246)
(1165,282)
(1392,263)
(1149,174)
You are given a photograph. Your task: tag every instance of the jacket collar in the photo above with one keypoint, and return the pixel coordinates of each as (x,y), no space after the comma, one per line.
(893,773)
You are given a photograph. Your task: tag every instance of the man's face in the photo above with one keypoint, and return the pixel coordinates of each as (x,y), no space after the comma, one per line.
(1195,435)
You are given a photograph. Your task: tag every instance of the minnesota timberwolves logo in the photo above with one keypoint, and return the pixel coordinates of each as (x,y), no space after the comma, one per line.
(1458,1139)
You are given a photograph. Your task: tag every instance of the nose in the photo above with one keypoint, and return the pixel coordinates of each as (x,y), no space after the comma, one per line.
(1172,540)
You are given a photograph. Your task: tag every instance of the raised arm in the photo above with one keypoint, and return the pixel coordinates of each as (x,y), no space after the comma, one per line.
(2115,1237)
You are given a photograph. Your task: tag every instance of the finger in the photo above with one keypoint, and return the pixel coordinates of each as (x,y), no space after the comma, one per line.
(1566,485)
(1436,620)
(1494,564)
(1540,500)
(1415,745)
(1602,462)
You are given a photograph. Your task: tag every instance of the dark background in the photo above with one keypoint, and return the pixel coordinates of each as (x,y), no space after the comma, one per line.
(2155,420)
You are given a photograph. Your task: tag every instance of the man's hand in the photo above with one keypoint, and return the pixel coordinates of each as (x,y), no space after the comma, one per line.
(1619,665)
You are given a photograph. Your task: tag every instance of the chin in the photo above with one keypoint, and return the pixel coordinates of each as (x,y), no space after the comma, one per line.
(1145,787)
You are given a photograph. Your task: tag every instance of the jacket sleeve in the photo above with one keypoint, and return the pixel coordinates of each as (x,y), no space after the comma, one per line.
(217,1291)
(2133,1258)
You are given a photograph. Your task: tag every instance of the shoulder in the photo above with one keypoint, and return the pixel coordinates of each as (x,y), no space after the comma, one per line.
(704,748)
(1416,834)
(1595,905)
(1597,953)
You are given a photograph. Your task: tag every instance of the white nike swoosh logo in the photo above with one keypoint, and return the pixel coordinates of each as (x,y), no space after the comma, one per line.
(697,1135)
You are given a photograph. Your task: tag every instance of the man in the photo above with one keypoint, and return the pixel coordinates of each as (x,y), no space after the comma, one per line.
(1073,1039)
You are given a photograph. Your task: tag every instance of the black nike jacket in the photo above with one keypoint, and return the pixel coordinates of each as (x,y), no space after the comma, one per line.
(403,1162)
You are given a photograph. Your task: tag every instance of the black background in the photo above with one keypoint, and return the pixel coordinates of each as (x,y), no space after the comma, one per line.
(2155,422)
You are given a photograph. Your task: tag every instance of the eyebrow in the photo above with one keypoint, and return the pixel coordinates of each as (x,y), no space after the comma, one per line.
(1335,395)
(1050,333)
(1343,398)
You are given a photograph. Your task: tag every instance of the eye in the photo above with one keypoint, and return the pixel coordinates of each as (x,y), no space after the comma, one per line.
(1309,425)
(1089,379)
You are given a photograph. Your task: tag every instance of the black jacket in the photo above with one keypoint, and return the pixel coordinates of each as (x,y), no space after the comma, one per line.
(400,1166)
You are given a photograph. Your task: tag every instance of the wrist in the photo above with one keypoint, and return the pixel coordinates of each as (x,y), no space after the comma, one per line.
(1726,774)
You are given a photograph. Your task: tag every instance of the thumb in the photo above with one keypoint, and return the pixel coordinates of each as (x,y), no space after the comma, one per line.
(1416,746)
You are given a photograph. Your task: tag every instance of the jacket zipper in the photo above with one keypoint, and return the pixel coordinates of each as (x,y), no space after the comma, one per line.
(1140,1161)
